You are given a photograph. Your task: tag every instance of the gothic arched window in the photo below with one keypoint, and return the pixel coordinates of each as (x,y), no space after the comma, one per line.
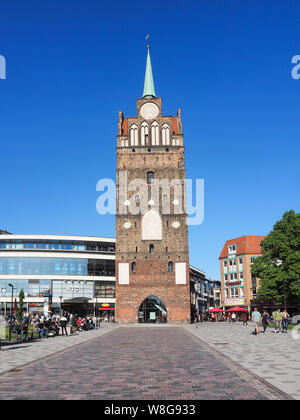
(134,135)
(155,133)
(165,134)
(144,134)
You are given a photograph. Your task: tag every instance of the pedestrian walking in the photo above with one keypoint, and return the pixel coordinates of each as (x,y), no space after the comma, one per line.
(24,330)
(256,318)
(63,324)
(285,321)
(245,318)
(265,320)
(277,315)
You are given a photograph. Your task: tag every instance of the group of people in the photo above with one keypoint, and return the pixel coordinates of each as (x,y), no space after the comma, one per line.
(55,324)
(280,319)
(229,317)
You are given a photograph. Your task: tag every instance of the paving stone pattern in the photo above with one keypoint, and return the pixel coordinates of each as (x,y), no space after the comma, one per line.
(273,357)
(134,363)
(17,354)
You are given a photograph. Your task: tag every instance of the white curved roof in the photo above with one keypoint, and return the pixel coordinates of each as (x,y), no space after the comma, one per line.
(57,238)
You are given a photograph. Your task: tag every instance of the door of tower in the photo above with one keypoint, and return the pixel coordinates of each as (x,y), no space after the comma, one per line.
(152,311)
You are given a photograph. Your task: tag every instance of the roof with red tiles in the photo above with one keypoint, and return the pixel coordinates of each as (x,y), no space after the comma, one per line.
(245,245)
(175,127)
(124,126)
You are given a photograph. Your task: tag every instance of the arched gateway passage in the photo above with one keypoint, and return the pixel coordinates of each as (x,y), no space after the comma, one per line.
(152,310)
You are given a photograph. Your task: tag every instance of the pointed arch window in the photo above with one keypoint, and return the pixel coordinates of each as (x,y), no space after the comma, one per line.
(134,135)
(155,133)
(144,134)
(170,267)
(165,134)
(151,249)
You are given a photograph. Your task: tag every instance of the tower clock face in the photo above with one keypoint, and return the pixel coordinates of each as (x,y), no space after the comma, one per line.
(149,111)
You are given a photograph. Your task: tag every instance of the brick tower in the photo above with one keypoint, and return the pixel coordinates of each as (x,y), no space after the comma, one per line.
(152,258)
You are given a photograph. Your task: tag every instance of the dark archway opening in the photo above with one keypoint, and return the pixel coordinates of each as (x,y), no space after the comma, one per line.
(152,311)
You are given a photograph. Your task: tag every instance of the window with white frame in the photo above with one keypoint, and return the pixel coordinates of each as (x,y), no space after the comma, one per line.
(231,249)
(234,292)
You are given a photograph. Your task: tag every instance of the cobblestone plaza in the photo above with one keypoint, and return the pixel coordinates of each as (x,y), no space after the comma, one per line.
(145,362)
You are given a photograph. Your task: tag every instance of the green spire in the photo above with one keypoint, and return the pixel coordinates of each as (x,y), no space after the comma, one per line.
(149,91)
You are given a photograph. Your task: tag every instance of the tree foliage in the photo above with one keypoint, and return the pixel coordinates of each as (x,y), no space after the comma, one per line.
(20,307)
(279,265)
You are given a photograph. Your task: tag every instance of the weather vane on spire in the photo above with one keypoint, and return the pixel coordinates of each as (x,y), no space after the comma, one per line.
(147,37)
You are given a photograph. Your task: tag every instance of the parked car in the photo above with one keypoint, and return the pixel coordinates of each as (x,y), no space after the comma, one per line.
(295,319)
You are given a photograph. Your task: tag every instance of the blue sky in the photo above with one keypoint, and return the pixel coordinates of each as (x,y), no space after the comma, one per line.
(72,65)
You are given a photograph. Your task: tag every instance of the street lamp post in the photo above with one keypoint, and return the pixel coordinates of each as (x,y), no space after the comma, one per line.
(12,299)
(60,298)
(11,314)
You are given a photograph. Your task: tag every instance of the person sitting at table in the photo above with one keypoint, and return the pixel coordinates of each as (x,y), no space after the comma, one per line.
(79,324)
(54,327)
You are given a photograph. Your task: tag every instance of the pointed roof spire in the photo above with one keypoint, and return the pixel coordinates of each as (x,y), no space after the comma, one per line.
(149,91)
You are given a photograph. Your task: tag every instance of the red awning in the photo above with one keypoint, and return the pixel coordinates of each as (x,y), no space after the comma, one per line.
(236,309)
(215,310)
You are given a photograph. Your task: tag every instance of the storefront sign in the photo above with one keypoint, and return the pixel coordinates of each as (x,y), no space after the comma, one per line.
(232,283)
(234,301)
(72,289)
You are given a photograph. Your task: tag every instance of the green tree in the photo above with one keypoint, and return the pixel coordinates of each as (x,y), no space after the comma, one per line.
(279,265)
(20,307)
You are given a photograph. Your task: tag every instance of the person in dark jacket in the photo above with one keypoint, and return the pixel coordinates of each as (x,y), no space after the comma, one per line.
(63,324)
(245,318)
(265,320)
(24,331)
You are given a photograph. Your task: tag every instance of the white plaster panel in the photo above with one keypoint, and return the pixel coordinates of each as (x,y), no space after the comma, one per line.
(151,226)
(123,273)
(180,273)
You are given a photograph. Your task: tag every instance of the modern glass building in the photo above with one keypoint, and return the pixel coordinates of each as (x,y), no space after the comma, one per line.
(78,272)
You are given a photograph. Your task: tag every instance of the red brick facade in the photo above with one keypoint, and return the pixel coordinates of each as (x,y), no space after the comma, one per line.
(146,273)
